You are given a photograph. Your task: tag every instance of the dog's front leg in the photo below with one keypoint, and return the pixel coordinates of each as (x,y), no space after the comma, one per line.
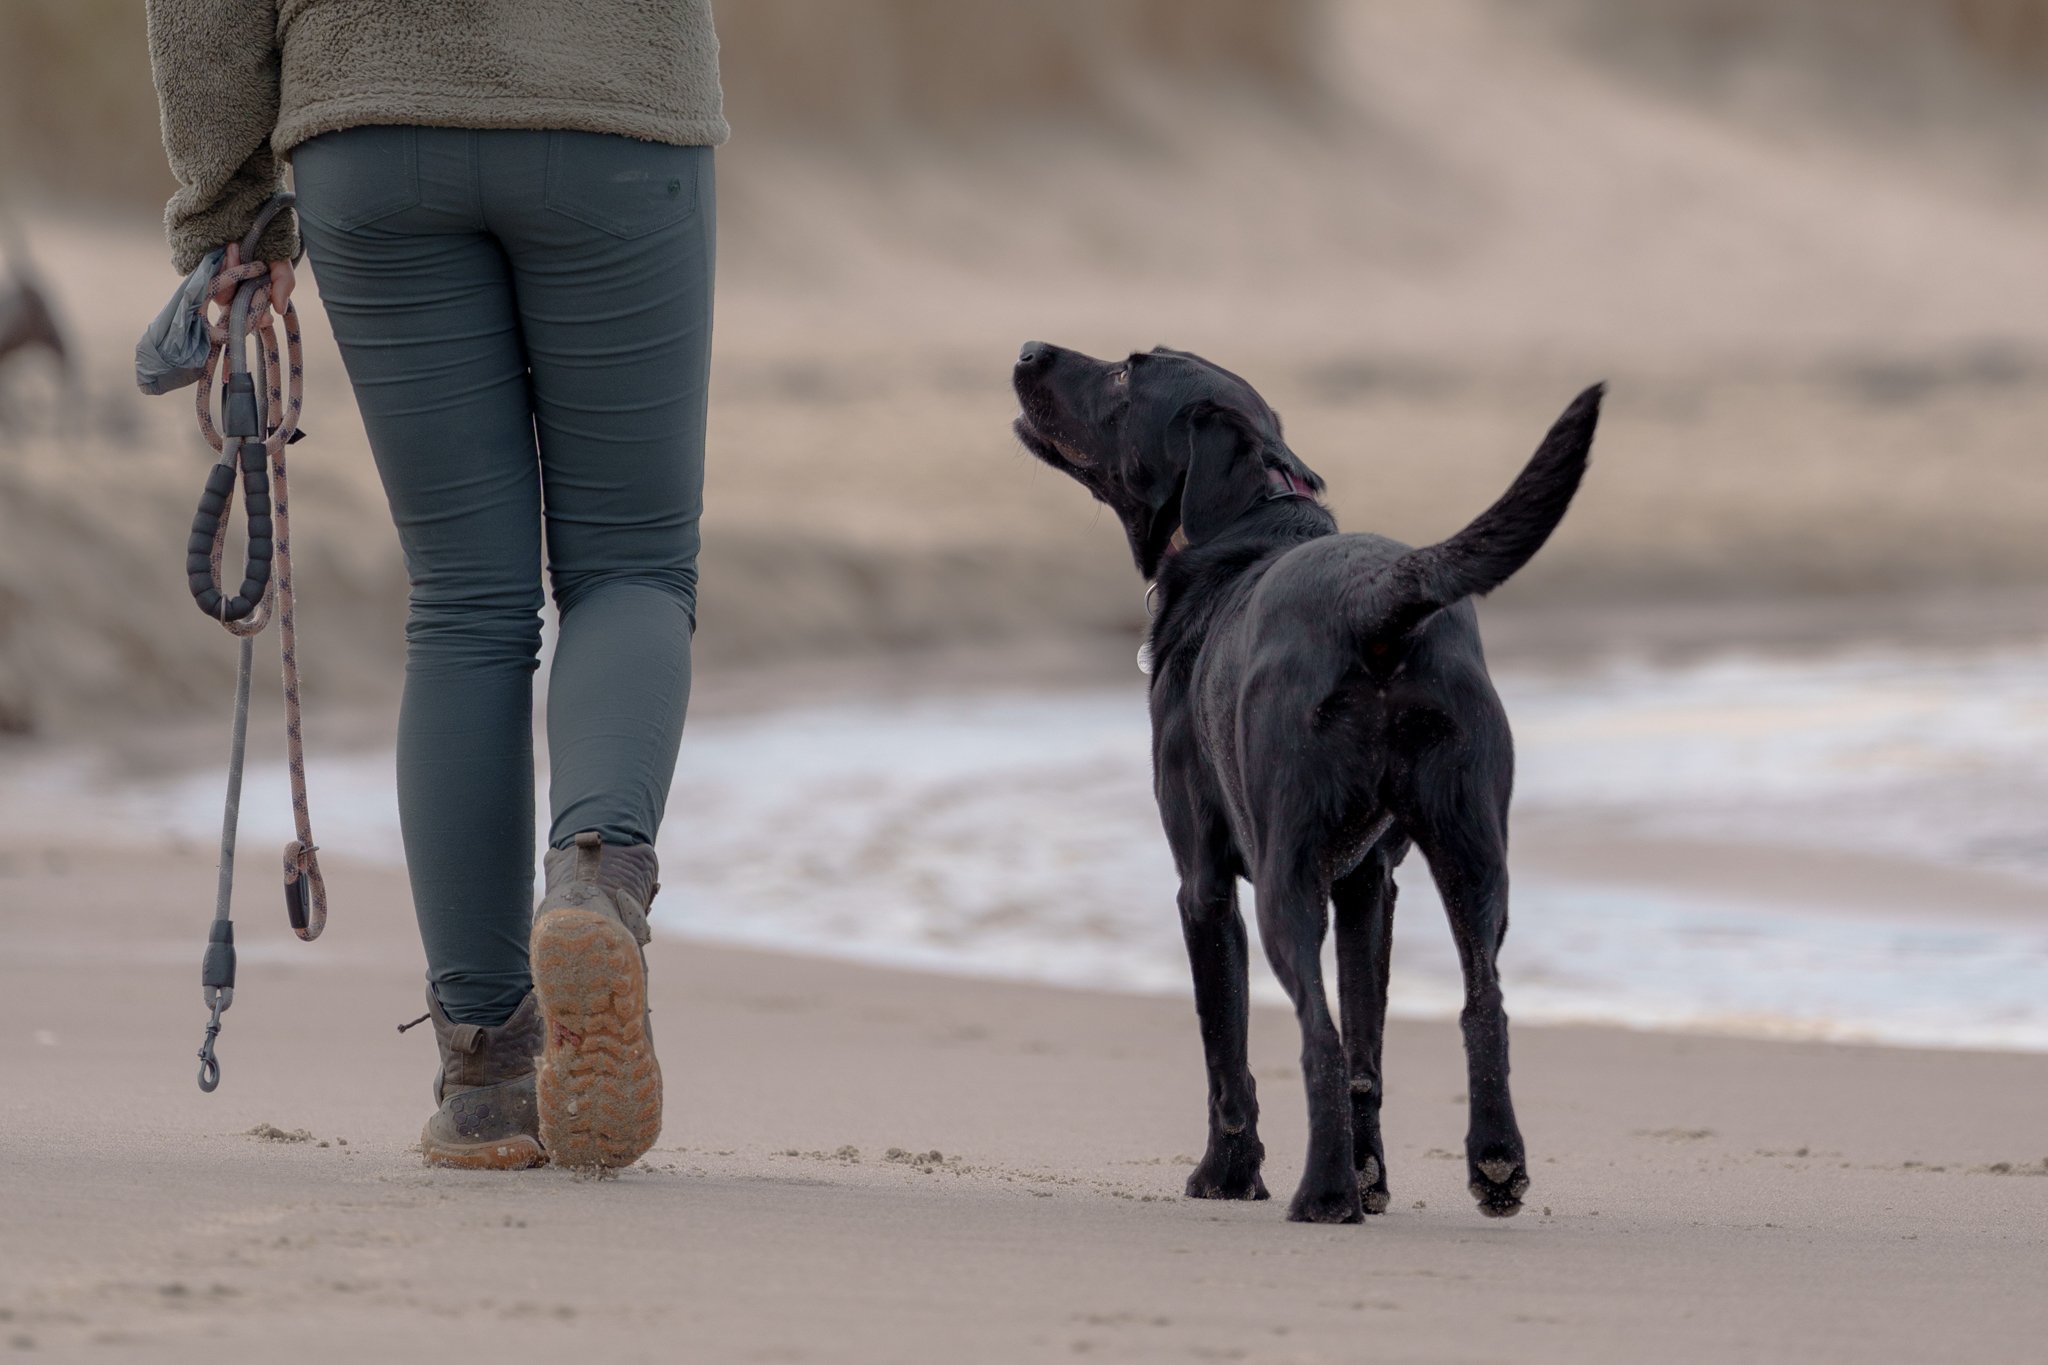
(1217,952)
(1293,917)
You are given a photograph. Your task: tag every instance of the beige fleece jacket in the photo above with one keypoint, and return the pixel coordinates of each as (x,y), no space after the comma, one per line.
(242,82)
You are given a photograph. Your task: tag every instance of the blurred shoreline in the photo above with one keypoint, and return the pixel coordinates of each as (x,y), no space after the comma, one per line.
(1823,840)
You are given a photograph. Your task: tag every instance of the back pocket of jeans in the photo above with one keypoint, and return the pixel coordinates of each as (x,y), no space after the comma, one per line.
(621,185)
(352,178)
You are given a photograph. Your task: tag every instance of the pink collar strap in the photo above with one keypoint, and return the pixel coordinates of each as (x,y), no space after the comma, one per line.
(1285,483)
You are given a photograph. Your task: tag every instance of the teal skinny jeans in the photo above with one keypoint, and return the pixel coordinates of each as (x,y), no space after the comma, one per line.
(525,317)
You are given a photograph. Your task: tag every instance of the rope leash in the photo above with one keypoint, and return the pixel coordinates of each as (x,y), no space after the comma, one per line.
(259,417)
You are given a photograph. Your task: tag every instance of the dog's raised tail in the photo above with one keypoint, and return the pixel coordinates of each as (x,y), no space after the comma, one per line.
(1499,541)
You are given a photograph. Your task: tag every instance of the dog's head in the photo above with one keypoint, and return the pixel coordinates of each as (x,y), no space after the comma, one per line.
(1164,439)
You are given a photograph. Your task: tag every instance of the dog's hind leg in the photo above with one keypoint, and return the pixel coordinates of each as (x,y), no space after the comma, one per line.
(1468,859)
(1293,916)
(1364,901)
(1214,930)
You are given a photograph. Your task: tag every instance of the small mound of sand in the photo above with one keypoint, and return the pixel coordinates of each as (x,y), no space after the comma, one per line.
(270,1132)
(926,1162)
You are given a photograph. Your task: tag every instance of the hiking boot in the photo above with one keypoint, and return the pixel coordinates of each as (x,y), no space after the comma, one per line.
(488,1119)
(599,1085)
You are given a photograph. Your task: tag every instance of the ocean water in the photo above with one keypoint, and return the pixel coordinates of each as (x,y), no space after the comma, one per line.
(1015,836)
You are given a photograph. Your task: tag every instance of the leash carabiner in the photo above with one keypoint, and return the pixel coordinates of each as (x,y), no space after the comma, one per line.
(209,1065)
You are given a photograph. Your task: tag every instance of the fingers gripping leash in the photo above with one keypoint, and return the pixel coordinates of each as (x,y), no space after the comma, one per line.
(257,421)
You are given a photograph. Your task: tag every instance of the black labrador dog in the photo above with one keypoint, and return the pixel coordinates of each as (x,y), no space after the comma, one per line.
(1319,702)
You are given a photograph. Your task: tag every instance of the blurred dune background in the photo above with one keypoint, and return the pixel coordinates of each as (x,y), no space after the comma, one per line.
(1804,239)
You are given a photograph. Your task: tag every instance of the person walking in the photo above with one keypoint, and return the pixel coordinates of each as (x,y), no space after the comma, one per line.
(508,207)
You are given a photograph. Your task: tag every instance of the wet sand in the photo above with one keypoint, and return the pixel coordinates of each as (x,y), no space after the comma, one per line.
(1722,1199)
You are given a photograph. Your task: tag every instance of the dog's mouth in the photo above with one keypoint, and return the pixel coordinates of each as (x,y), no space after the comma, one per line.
(1154,531)
(1048,447)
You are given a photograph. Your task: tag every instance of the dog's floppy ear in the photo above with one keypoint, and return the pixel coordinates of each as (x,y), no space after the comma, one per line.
(1225,474)
(1226,470)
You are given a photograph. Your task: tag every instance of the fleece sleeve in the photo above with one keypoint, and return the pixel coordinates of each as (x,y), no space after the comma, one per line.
(215,63)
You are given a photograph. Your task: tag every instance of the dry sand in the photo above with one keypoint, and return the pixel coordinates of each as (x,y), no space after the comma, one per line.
(1695,1199)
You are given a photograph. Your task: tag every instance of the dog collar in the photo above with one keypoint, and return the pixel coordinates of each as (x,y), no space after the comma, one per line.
(1285,483)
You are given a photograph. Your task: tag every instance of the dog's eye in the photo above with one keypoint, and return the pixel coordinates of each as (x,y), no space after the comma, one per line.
(1121,375)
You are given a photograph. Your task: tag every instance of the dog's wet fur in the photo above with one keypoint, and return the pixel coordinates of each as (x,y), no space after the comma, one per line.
(1319,704)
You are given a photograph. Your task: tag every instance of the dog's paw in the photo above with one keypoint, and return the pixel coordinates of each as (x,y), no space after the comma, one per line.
(1372,1185)
(1230,1177)
(1202,1186)
(1321,1204)
(1230,1168)
(1499,1184)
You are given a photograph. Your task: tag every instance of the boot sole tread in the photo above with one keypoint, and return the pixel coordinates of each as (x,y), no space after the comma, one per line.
(600,1089)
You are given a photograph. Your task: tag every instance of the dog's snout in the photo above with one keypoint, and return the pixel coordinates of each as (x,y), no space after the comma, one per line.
(1034,355)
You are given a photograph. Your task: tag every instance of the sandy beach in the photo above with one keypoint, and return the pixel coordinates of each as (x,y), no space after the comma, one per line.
(1779,964)
(1703,1198)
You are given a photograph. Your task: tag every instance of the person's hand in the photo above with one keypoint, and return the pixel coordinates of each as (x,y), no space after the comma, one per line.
(281,282)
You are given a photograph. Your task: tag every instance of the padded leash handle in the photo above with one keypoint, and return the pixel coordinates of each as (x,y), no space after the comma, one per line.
(243,439)
(213,510)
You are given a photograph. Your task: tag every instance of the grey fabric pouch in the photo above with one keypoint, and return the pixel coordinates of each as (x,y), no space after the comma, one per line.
(172,352)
